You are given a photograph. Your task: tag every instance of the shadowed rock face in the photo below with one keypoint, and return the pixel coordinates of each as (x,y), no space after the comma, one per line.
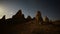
(18,24)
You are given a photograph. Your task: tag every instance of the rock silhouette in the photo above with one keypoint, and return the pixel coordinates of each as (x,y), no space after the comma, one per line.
(18,17)
(2,21)
(28,18)
(46,19)
(3,18)
(18,24)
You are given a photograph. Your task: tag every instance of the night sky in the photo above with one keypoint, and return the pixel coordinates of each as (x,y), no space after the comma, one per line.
(50,8)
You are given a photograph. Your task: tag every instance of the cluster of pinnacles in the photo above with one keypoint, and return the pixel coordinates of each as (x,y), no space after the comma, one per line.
(19,17)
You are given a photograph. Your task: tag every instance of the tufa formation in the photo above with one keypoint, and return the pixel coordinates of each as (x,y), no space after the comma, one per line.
(39,17)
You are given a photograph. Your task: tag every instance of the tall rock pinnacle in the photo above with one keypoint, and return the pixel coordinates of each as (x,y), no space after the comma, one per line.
(38,17)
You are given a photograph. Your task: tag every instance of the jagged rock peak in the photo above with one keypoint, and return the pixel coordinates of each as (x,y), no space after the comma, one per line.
(3,18)
(19,12)
(18,17)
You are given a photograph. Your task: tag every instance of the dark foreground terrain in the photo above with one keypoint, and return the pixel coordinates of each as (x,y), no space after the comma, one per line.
(30,28)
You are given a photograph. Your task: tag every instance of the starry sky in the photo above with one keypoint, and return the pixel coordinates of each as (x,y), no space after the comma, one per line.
(50,8)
